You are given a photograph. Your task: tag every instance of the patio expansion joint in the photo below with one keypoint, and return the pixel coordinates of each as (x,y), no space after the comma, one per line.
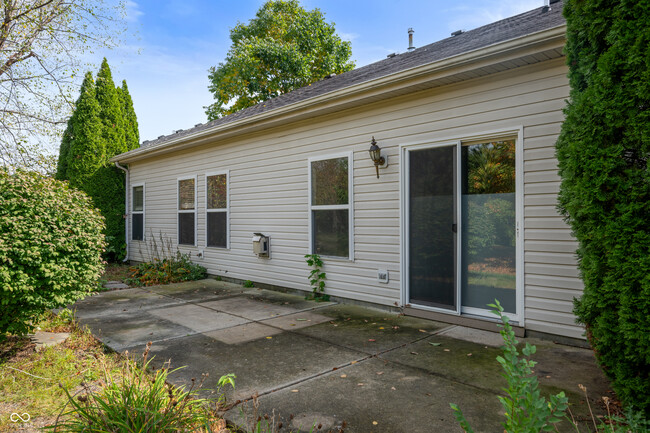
(346,364)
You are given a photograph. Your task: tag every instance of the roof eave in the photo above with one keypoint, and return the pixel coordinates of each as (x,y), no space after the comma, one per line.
(531,42)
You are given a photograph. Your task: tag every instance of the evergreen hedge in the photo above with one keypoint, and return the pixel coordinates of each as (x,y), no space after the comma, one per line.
(50,247)
(603,153)
(103,125)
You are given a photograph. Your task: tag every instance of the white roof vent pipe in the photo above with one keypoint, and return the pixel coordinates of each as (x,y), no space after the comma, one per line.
(411,46)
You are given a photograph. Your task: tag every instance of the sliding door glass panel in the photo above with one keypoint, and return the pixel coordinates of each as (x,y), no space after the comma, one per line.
(432,218)
(489,226)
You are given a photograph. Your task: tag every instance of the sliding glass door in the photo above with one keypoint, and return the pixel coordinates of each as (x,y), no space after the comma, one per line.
(461,230)
(432,227)
(488,224)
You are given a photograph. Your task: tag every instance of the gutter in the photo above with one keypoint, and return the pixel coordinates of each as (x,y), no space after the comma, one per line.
(377,86)
(126,209)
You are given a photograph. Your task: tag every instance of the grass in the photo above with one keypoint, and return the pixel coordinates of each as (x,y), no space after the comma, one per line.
(30,380)
(492,279)
(39,383)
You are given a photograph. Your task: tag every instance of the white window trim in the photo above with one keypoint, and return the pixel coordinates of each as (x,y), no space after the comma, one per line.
(179,211)
(349,206)
(137,212)
(226,210)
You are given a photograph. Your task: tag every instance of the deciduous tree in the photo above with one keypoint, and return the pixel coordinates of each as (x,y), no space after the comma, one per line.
(42,43)
(283,48)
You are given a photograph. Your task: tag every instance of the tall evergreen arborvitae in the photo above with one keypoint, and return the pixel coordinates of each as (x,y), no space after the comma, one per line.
(111,111)
(132,135)
(86,152)
(107,186)
(111,130)
(603,154)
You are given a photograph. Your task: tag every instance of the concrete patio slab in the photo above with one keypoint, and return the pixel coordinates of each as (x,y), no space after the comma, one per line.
(325,362)
(479,336)
(368,330)
(197,291)
(274,360)
(197,318)
(559,368)
(248,308)
(120,301)
(243,333)
(379,397)
(295,321)
(281,298)
(133,328)
(461,361)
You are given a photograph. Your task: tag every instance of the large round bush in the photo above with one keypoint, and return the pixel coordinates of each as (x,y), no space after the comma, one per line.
(50,247)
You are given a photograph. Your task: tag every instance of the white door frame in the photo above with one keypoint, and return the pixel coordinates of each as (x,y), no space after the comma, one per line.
(458,140)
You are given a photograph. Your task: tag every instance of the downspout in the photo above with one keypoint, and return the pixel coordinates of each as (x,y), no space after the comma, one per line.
(126,209)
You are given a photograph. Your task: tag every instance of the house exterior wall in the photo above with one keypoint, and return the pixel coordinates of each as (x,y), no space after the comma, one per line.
(268,174)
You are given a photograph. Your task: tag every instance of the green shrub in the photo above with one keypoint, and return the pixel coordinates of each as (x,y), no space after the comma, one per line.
(171,269)
(50,248)
(316,278)
(526,411)
(137,401)
(603,153)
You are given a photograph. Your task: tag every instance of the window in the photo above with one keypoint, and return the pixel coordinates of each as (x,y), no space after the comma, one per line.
(330,206)
(216,208)
(137,213)
(187,211)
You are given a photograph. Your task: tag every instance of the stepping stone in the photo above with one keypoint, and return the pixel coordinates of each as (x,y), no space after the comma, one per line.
(116,285)
(45,339)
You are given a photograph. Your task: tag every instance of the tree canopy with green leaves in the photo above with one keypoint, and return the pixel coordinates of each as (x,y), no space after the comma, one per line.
(283,48)
(42,43)
(102,125)
(603,152)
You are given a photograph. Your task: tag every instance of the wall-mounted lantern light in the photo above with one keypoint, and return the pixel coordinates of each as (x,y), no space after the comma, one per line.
(376,156)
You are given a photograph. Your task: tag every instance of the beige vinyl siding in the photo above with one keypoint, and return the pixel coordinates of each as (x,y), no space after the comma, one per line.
(269,177)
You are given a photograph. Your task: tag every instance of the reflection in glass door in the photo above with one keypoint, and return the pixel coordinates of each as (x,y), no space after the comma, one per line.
(488,224)
(470,186)
(432,227)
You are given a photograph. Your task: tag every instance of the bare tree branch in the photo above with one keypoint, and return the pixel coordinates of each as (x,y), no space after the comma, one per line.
(42,44)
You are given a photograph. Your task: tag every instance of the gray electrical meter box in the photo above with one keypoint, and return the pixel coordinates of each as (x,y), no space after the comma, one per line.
(260,245)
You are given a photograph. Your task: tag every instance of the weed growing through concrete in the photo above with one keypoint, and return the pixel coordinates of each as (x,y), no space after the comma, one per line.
(248,284)
(526,411)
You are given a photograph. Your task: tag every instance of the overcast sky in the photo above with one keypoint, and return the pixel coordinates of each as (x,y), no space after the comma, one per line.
(172,43)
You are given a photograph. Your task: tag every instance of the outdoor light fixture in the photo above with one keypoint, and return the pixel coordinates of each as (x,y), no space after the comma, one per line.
(377,158)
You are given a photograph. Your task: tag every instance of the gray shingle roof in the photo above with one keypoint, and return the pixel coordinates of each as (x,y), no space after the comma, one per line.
(534,21)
